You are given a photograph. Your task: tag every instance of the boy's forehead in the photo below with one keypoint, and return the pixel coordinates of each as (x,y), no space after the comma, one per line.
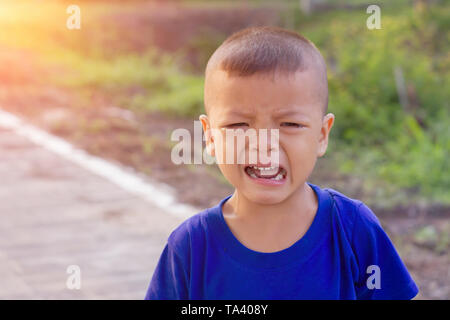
(283,94)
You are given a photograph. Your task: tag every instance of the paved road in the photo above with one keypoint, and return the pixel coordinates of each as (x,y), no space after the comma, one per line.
(54,214)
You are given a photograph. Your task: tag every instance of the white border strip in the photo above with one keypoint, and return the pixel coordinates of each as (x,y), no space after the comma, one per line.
(158,194)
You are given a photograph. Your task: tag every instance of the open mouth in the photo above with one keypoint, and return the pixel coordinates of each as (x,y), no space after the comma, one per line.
(269,173)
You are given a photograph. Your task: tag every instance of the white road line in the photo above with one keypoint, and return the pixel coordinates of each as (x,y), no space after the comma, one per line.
(158,194)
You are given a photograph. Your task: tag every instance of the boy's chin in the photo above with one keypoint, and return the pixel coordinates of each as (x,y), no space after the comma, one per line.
(266,198)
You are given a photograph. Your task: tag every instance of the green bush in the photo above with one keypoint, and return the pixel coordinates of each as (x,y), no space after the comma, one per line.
(405,149)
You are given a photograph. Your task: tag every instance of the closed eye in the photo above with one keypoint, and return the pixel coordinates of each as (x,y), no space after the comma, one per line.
(292,125)
(240,124)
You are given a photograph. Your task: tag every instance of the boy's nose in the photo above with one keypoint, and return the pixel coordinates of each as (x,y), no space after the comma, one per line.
(266,139)
(266,148)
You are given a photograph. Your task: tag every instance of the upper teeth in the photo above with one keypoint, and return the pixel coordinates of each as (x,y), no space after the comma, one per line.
(264,168)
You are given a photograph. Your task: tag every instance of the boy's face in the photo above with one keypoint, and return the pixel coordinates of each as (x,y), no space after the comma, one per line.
(293,104)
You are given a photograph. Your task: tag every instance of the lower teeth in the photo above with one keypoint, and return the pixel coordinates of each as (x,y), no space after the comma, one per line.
(277,177)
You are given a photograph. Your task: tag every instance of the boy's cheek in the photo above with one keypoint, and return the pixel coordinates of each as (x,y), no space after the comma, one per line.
(302,160)
(230,154)
(232,174)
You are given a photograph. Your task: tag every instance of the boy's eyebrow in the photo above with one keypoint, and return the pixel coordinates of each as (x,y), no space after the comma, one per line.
(290,112)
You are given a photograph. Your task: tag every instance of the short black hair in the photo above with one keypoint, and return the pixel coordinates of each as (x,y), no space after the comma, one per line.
(265,50)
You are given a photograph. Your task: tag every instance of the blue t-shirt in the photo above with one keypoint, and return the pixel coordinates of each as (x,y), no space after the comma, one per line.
(345,254)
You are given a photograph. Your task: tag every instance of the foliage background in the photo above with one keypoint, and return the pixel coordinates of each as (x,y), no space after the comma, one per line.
(133,73)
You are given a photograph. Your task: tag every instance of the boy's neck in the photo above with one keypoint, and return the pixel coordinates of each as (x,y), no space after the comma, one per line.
(302,204)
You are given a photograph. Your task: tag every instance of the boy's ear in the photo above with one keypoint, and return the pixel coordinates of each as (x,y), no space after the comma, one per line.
(327,123)
(208,135)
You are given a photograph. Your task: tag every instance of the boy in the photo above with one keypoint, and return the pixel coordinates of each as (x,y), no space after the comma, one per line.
(277,236)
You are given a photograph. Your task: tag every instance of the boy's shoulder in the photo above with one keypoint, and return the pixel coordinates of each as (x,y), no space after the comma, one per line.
(354,214)
(352,207)
(181,238)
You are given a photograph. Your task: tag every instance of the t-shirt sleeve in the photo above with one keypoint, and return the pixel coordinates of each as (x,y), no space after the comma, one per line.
(382,273)
(169,281)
